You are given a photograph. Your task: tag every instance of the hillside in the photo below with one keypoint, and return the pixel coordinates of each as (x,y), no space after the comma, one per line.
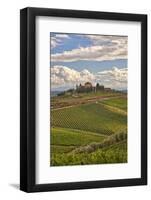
(81,125)
(89,117)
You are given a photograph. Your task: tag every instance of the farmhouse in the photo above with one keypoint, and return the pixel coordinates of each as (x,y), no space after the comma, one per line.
(107,89)
(88,87)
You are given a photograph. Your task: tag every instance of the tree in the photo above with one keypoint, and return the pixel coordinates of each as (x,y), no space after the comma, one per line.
(97,85)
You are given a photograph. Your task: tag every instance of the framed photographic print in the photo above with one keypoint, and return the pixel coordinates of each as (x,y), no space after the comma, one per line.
(83,99)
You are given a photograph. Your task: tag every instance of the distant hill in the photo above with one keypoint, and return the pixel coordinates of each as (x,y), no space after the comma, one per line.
(122,90)
(55,93)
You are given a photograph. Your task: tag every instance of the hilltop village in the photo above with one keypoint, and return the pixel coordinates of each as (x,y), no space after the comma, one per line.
(87,87)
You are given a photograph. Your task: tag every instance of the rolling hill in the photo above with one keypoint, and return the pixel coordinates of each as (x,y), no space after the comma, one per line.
(82,126)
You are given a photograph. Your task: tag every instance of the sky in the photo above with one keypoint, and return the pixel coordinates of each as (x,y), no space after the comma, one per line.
(78,58)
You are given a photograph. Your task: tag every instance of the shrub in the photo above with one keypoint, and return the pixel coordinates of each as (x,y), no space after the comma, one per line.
(113,139)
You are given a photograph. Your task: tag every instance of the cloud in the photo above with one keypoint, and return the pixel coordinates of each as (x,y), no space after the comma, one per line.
(61,35)
(54,42)
(103,48)
(108,39)
(56,39)
(64,76)
(114,78)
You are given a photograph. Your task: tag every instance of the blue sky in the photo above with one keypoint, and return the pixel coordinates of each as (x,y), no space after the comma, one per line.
(74,41)
(93,66)
(80,57)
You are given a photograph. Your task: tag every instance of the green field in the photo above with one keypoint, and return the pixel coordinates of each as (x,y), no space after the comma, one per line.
(114,154)
(91,132)
(76,99)
(117,102)
(60,136)
(65,140)
(89,117)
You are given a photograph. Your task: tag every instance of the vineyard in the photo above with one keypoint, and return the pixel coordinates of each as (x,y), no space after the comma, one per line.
(93,132)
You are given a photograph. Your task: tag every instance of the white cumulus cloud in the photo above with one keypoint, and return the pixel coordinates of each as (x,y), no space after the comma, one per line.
(64,76)
(114,78)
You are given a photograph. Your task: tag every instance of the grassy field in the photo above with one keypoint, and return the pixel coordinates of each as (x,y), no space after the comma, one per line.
(65,140)
(117,102)
(86,131)
(60,136)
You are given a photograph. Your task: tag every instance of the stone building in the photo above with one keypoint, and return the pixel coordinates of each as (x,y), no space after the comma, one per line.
(88,87)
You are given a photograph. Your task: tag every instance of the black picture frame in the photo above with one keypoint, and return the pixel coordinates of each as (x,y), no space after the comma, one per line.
(28,99)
